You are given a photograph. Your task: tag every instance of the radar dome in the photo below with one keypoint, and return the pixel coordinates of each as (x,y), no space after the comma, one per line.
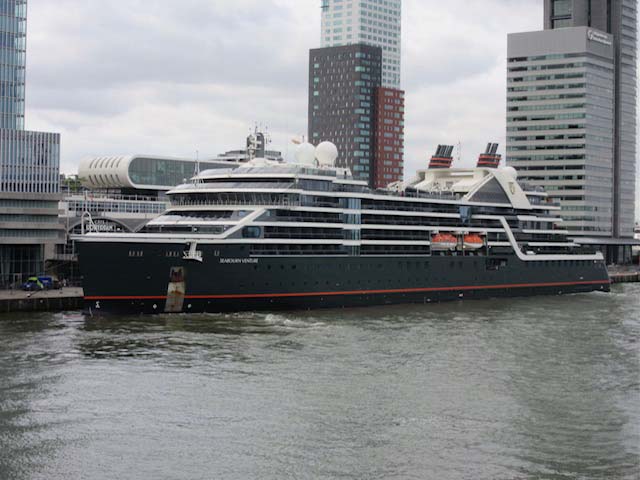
(512,172)
(327,153)
(305,154)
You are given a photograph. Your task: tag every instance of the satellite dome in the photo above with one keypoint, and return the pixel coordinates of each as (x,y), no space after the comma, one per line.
(305,154)
(327,153)
(512,172)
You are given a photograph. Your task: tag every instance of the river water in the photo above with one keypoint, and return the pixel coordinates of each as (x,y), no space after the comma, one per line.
(532,388)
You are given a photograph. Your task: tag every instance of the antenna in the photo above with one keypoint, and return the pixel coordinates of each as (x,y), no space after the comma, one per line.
(196,172)
(459,152)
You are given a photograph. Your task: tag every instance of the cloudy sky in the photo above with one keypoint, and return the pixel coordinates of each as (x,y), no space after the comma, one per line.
(170,78)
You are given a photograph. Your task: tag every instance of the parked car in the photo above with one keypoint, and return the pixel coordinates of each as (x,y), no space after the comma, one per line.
(32,284)
(41,283)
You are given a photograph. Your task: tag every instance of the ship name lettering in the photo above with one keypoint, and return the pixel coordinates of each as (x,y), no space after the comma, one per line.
(238,260)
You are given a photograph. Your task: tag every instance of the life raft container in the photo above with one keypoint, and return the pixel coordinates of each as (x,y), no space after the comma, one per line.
(473,242)
(444,241)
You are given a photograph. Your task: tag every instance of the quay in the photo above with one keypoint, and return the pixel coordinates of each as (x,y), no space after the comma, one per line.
(624,274)
(41,301)
(625,277)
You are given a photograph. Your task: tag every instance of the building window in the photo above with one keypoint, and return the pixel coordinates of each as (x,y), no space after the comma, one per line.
(561,8)
(561,13)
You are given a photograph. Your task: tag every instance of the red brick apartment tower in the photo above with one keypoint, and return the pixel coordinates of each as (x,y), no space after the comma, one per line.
(388,141)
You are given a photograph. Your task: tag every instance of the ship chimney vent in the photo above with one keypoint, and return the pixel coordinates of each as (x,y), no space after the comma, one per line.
(490,158)
(442,157)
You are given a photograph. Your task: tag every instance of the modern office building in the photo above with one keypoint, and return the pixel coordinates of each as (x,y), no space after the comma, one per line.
(388,141)
(571,116)
(29,163)
(355,99)
(372,22)
(342,88)
(349,107)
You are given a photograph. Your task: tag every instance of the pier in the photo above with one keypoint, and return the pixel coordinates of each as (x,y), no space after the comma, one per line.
(40,301)
(626,277)
(624,274)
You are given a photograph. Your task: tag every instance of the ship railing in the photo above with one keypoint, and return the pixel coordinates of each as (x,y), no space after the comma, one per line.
(285,202)
(92,195)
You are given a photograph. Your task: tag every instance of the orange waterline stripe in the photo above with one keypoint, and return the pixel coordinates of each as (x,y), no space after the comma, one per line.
(353,292)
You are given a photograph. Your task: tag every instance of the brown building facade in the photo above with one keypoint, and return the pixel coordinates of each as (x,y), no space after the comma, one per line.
(388,142)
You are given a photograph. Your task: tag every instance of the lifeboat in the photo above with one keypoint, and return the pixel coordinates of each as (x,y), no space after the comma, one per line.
(473,241)
(444,241)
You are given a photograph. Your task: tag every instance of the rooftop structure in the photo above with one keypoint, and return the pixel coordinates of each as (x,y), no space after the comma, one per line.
(141,172)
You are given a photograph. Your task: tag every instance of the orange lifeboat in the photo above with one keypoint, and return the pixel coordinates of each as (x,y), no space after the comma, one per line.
(444,241)
(473,241)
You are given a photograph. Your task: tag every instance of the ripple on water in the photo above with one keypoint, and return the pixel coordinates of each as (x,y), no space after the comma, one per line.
(525,388)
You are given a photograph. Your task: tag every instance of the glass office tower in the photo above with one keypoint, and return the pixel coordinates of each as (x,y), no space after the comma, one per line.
(371,22)
(619,19)
(571,116)
(13,34)
(29,164)
(355,99)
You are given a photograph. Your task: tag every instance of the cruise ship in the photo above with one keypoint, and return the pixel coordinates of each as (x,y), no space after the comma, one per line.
(273,236)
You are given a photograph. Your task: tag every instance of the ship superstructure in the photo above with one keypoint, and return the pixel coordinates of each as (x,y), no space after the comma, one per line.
(276,235)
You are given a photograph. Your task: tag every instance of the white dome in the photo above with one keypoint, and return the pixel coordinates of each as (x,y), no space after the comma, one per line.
(512,172)
(305,154)
(327,153)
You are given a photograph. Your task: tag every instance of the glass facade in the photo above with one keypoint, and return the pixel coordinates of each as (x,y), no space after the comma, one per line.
(18,262)
(562,8)
(560,125)
(372,22)
(161,172)
(342,102)
(611,23)
(29,163)
(624,26)
(13,33)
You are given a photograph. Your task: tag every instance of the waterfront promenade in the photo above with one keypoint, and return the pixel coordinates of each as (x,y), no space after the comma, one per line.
(40,301)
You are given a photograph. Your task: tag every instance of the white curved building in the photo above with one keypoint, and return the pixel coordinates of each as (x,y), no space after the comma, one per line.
(141,172)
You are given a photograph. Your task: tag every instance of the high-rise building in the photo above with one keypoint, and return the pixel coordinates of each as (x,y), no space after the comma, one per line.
(372,22)
(355,99)
(388,141)
(571,114)
(29,163)
(618,18)
(342,87)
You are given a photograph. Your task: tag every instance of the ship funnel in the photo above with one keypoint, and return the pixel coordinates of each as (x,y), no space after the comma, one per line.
(490,158)
(442,157)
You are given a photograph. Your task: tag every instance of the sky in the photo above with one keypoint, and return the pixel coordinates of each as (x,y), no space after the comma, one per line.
(175,78)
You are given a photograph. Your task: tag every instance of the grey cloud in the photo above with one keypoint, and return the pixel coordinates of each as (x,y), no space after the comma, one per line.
(197,42)
(171,77)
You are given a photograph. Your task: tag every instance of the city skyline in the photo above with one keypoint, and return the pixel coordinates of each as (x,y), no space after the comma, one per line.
(107,103)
